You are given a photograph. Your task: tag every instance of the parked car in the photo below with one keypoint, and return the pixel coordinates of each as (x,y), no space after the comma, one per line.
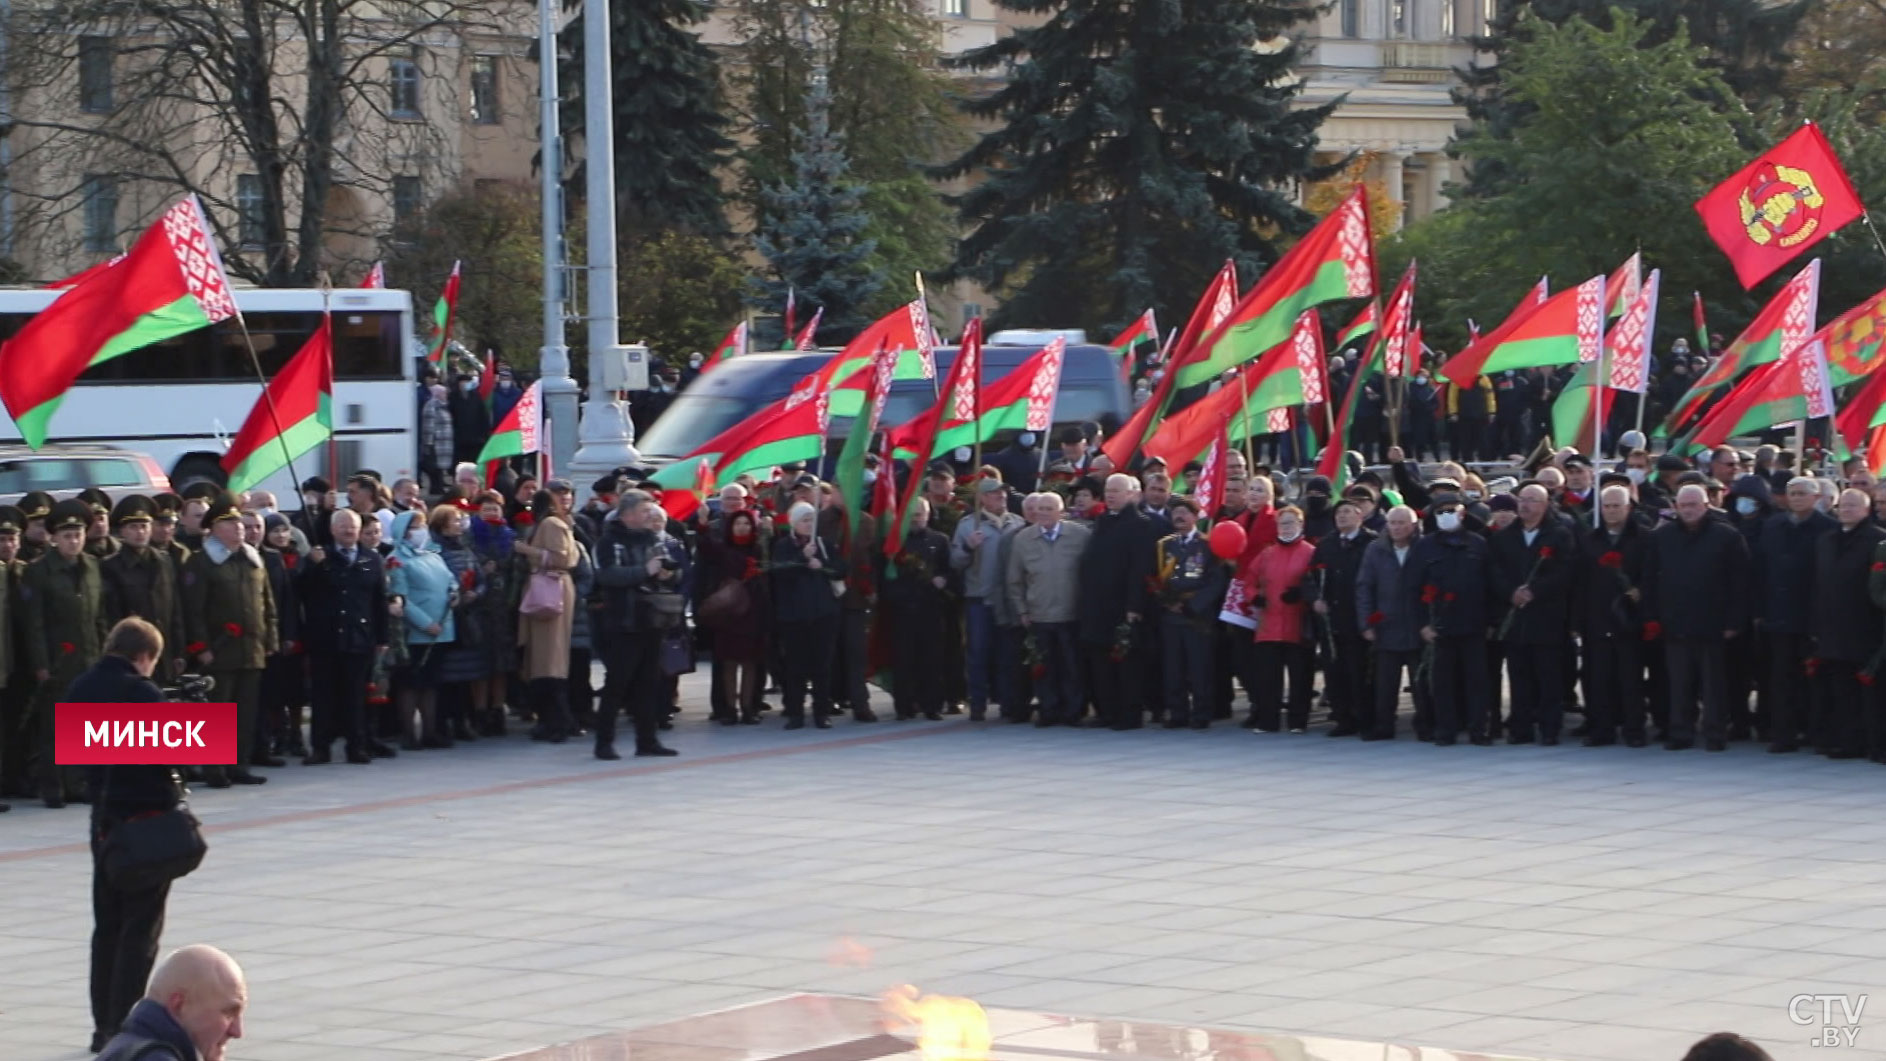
(63,471)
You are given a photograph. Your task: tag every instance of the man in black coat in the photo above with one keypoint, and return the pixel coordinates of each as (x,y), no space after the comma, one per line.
(125,924)
(1533,566)
(1846,628)
(1610,610)
(913,595)
(1331,590)
(641,571)
(1113,573)
(1696,599)
(1450,592)
(1783,573)
(343,600)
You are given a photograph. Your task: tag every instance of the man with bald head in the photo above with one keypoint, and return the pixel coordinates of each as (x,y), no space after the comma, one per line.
(1611,567)
(1113,575)
(1784,569)
(1696,600)
(190,1011)
(342,589)
(1533,566)
(1846,628)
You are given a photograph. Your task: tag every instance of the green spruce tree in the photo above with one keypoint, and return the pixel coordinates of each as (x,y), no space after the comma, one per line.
(1141,144)
(670,137)
(814,238)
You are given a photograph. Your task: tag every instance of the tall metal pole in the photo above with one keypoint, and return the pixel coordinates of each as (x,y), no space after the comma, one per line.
(605,434)
(559,390)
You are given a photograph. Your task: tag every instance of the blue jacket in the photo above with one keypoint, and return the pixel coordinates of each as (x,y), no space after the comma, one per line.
(421,577)
(1458,568)
(1382,589)
(1784,570)
(150,1033)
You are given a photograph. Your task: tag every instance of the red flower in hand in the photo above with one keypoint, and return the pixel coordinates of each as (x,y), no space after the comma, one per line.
(468,578)
(1448,598)
(1612,559)
(1377,618)
(391,564)
(1545,552)
(1863,678)
(1430,593)
(1879,565)
(1038,671)
(233,629)
(67,648)
(1811,665)
(1653,630)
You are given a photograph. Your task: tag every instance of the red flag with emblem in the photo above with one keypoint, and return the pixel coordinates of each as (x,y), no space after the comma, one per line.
(1792,197)
(1211,479)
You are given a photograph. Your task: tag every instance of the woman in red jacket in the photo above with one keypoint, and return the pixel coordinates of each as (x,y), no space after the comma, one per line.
(1275,578)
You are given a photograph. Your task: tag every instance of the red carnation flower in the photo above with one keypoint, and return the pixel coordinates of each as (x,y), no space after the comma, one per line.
(1377,618)
(1038,671)
(195,648)
(233,629)
(1545,552)
(67,647)
(1429,593)
(1879,565)
(1449,598)
(1653,630)
(1811,665)
(468,578)
(1612,559)
(391,564)
(526,519)
(1864,678)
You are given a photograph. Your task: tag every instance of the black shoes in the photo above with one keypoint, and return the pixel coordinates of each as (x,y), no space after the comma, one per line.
(381,750)
(795,723)
(1674,745)
(1482,741)
(1783,748)
(609,754)
(865,714)
(1636,741)
(1342,731)
(355,756)
(269,760)
(1598,741)
(1374,735)
(1550,742)
(1447,741)
(1716,746)
(654,750)
(1174,723)
(1201,723)
(244,777)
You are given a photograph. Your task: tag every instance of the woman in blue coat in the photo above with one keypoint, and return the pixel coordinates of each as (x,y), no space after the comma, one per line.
(418,575)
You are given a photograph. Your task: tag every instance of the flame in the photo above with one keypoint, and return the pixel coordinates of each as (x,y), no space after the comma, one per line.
(948,1029)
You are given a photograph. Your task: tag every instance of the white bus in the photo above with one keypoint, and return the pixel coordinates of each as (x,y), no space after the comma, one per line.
(183,401)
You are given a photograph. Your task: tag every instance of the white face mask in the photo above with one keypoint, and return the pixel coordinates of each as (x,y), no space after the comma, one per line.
(1288,538)
(1448,521)
(418,537)
(1746,505)
(870,477)
(1635,475)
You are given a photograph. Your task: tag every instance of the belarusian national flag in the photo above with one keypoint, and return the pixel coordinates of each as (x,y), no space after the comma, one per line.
(792,309)
(1854,341)
(1702,325)
(1565,329)
(1864,410)
(790,429)
(488,380)
(1332,466)
(1336,260)
(1186,434)
(1626,368)
(966,368)
(906,331)
(1396,322)
(1211,477)
(731,347)
(849,473)
(809,338)
(170,283)
(1214,308)
(442,313)
(1363,326)
(1783,326)
(1290,375)
(1792,388)
(1022,400)
(85,274)
(1623,285)
(680,504)
(1143,330)
(376,277)
(293,415)
(520,430)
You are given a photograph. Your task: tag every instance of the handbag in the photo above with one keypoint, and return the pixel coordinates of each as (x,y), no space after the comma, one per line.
(677,654)
(726,606)
(543,596)
(152,849)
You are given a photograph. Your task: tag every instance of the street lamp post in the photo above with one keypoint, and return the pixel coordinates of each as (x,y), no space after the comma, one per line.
(560,394)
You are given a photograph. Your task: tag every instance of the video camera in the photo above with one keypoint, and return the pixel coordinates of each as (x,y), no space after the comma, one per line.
(191,689)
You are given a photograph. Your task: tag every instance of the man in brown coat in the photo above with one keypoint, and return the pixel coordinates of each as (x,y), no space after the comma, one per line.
(229,621)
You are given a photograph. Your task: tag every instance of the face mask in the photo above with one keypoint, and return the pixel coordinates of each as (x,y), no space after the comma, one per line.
(1316,505)
(265,512)
(468,386)
(1421,379)
(1635,475)
(1448,521)
(1473,495)
(1745,505)
(1288,538)
(743,535)
(418,537)
(870,477)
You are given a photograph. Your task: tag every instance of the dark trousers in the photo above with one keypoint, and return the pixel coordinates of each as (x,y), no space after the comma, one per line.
(1789,709)
(1697,670)
(283,690)
(1114,684)
(991,653)
(1390,666)
(1187,670)
(1015,692)
(1062,693)
(919,657)
(1537,674)
(851,660)
(1614,685)
(632,681)
(1843,721)
(340,699)
(244,688)
(579,690)
(1231,658)
(126,926)
(805,651)
(955,684)
(1350,680)
(1273,662)
(1459,686)
(16,737)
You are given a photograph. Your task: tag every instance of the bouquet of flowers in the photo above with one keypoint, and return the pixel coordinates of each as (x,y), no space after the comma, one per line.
(1623,605)
(1032,659)
(1512,613)
(1122,646)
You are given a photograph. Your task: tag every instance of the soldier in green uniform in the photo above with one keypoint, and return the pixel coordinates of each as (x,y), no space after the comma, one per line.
(15,748)
(140,580)
(36,506)
(98,540)
(191,524)
(62,608)
(229,621)
(164,531)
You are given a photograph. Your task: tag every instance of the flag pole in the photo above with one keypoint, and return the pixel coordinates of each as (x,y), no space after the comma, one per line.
(255,362)
(1866,218)
(333,437)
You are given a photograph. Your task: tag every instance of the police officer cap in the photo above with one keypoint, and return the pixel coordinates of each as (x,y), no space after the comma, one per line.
(223,506)
(201,490)
(67,515)
(167,505)
(98,499)
(1670,462)
(807,481)
(12,520)
(133,509)
(36,504)
(608,484)
(1578,460)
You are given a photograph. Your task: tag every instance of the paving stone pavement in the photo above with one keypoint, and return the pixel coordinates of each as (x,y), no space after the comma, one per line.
(1607,904)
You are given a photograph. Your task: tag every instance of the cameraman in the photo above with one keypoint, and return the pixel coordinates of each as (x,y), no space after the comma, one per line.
(641,573)
(126,924)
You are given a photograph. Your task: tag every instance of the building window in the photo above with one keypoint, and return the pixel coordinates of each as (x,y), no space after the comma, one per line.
(403,77)
(956,8)
(1352,18)
(250,210)
(1447,20)
(1488,10)
(484,90)
(1398,18)
(101,213)
(406,200)
(95,74)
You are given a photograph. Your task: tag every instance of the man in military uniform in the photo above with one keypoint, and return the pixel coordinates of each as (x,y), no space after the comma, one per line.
(167,509)
(35,506)
(62,609)
(191,522)
(15,748)
(140,580)
(98,540)
(229,625)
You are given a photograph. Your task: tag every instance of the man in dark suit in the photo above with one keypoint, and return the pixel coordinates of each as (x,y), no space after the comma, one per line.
(1533,566)
(343,597)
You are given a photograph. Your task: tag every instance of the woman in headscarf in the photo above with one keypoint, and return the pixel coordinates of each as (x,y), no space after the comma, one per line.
(467,662)
(806,578)
(492,540)
(549,552)
(733,554)
(420,578)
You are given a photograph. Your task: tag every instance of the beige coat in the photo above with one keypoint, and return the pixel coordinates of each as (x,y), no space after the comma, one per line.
(546,641)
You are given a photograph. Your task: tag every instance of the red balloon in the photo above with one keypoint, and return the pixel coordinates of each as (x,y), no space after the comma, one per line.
(1227,540)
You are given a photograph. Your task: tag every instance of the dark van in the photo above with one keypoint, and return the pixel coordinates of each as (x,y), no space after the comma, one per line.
(1090,391)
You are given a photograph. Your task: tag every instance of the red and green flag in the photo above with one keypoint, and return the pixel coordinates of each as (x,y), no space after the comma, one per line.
(849,473)
(1863,411)
(1210,491)
(680,504)
(1143,330)
(964,372)
(520,431)
(1291,374)
(1335,261)
(1854,341)
(443,311)
(906,331)
(488,379)
(1186,434)
(1626,369)
(1702,324)
(1022,400)
(1214,308)
(1362,327)
(809,338)
(790,429)
(1395,327)
(294,414)
(1565,329)
(85,274)
(170,283)
(731,347)
(1783,326)
(1622,286)
(1792,388)
(1332,466)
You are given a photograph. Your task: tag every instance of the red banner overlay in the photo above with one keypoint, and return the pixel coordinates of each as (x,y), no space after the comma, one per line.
(167,734)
